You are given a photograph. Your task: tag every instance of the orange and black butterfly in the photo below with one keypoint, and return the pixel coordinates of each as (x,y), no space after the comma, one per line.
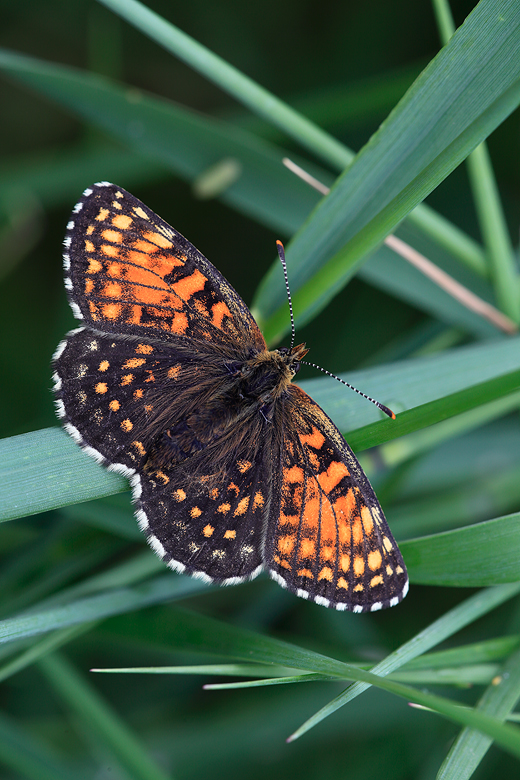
(233,468)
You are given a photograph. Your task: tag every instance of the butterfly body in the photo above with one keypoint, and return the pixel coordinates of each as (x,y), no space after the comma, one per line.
(234,469)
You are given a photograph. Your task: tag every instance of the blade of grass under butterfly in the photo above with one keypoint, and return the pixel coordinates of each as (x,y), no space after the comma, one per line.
(45,469)
(483,554)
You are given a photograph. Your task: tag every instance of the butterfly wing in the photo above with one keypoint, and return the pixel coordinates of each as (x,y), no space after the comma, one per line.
(129,272)
(328,539)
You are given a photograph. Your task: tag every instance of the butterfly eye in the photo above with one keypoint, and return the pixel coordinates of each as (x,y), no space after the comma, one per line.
(283,350)
(296,367)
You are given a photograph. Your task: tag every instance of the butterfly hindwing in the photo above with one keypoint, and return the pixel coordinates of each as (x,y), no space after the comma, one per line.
(328,538)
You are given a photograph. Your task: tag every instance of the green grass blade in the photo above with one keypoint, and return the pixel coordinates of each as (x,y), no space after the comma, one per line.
(471,746)
(482,554)
(97,607)
(447,625)
(490,213)
(99,719)
(469,88)
(233,81)
(201,632)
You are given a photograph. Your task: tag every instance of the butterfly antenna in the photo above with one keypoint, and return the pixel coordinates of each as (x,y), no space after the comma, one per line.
(383,408)
(281,255)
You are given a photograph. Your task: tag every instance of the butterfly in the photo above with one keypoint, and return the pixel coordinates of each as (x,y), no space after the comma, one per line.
(234,469)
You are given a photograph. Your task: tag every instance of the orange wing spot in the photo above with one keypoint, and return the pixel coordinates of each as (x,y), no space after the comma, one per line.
(358,588)
(114,269)
(342,583)
(230,534)
(399,570)
(144,246)
(233,488)
(112,311)
(114,406)
(111,290)
(327,521)
(387,544)
(122,221)
(377,580)
(139,447)
(104,365)
(90,229)
(213,494)
(127,425)
(286,544)
(89,286)
(179,495)
(179,323)
(195,512)
(314,439)
(140,212)
(366,517)
(127,380)
(158,240)
(138,393)
(148,408)
(326,574)
(344,562)
(258,500)
(102,215)
(374,560)
(282,562)
(144,349)
(242,507)
(112,235)
(357,531)
(345,506)
(101,388)
(89,246)
(332,477)
(219,311)
(134,362)
(389,571)
(327,553)
(174,371)
(224,508)
(306,573)
(110,251)
(150,377)
(289,519)
(94,266)
(293,475)
(243,466)
(307,548)
(188,286)
(359,565)
(208,531)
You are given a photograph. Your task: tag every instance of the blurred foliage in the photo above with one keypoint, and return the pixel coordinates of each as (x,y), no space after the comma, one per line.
(77,576)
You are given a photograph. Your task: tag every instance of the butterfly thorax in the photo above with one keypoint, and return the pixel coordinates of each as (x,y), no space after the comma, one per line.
(266,376)
(243,403)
